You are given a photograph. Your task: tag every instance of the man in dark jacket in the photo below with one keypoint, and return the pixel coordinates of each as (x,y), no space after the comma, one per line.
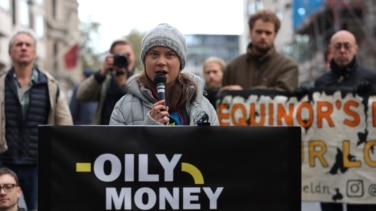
(345,73)
(107,85)
(261,67)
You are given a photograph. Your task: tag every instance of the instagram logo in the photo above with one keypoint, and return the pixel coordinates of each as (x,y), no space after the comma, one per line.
(355,188)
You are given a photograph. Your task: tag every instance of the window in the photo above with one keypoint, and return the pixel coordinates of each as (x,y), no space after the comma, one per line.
(55,54)
(39,2)
(251,8)
(24,13)
(54,10)
(279,14)
(259,5)
(5,5)
(39,26)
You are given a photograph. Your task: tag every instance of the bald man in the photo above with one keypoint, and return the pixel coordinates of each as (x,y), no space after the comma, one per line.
(346,73)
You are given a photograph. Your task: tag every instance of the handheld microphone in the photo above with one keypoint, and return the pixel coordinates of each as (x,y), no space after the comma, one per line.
(160,84)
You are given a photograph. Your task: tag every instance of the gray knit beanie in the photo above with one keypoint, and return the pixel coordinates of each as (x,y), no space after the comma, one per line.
(166,36)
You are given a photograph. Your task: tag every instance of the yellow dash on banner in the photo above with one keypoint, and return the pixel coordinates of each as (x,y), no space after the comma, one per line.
(83,167)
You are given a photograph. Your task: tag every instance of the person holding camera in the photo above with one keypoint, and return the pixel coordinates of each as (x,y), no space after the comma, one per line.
(107,85)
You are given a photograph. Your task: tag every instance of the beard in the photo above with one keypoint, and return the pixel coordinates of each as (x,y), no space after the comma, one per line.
(262,48)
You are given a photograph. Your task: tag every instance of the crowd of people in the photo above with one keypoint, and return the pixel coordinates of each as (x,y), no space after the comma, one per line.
(117,94)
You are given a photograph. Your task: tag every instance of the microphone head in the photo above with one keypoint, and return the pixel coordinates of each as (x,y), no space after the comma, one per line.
(160,84)
(160,78)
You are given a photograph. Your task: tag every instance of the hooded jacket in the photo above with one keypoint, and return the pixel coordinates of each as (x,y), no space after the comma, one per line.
(134,107)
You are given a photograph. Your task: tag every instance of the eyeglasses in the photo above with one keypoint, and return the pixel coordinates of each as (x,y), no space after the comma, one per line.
(346,46)
(7,187)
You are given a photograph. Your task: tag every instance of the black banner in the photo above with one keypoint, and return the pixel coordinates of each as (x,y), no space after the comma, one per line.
(169,168)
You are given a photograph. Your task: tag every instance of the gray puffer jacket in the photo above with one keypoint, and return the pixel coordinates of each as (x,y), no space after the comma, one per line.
(134,107)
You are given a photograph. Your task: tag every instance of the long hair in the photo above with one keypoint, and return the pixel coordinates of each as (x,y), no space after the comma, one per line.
(178,94)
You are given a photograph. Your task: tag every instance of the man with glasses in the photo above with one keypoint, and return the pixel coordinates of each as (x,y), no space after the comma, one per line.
(10,190)
(346,73)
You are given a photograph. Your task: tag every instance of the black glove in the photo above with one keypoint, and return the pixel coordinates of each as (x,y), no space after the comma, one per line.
(363,87)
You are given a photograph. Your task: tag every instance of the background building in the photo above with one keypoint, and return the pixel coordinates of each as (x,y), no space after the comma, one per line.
(56,25)
(202,46)
(315,22)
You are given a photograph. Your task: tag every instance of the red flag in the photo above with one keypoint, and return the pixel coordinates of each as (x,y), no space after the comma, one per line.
(71,57)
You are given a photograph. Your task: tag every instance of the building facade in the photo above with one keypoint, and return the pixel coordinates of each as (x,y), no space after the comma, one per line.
(56,25)
(202,46)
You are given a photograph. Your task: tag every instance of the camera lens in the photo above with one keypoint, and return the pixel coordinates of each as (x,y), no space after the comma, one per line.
(121,61)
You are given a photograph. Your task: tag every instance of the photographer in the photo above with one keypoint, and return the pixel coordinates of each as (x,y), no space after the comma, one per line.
(107,85)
